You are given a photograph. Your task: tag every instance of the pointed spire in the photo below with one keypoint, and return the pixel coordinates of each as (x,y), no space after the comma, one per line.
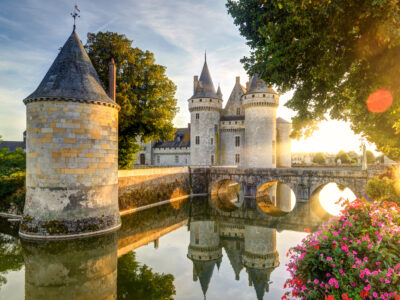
(219,93)
(71,76)
(205,87)
(205,56)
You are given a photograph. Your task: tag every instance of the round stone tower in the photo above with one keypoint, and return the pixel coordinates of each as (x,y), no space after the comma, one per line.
(205,106)
(260,103)
(72,151)
(283,147)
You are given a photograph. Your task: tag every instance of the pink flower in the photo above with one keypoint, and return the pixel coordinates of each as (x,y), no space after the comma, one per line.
(316,281)
(329,258)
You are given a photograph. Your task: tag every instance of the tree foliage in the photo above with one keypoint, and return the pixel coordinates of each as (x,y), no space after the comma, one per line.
(319,158)
(333,54)
(344,157)
(11,258)
(140,282)
(370,157)
(12,179)
(144,92)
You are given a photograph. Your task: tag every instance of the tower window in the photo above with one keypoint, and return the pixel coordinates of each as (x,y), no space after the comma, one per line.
(212,159)
(201,100)
(252,96)
(210,100)
(197,116)
(237,158)
(176,159)
(237,141)
(215,128)
(238,111)
(212,141)
(197,140)
(264,95)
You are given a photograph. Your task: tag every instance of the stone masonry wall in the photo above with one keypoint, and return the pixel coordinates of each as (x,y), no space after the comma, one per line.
(72,165)
(139,187)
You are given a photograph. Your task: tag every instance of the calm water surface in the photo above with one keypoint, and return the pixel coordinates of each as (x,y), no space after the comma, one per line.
(190,249)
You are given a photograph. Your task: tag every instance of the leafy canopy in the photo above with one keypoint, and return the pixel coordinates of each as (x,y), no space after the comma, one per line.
(137,281)
(333,54)
(344,157)
(319,158)
(144,92)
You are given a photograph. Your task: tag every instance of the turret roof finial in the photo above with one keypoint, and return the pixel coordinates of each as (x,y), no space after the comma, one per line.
(205,55)
(75,14)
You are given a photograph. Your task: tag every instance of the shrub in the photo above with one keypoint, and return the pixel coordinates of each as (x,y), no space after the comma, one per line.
(344,157)
(319,158)
(356,254)
(385,186)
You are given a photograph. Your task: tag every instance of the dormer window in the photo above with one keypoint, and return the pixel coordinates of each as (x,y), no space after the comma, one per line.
(201,100)
(210,100)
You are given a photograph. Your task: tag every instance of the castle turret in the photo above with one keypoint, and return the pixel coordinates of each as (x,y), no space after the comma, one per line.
(260,103)
(204,106)
(260,256)
(204,250)
(283,146)
(72,151)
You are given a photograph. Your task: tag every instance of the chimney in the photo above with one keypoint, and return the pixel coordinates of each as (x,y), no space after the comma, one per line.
(247,85)
(195,82)
(238,79)
(112,78)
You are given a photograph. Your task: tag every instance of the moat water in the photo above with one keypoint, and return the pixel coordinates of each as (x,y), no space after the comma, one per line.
(188,249)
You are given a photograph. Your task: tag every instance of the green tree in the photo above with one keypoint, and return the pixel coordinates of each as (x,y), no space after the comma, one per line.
(344,157)
(140,282)
(370,157)
(333,54)
(11,258)
(319,158)
(144,92)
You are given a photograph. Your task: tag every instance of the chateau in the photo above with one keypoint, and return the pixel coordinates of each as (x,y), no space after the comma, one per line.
(245,133)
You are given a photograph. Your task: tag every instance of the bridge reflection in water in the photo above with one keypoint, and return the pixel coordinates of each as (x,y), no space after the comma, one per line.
(224,226)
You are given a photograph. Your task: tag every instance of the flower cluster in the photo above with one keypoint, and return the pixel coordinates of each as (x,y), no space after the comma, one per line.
(356,255)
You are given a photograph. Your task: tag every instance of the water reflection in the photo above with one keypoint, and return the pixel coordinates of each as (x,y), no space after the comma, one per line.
(71,269)
(227,195)
(275,198)
(332,196)
(239,247)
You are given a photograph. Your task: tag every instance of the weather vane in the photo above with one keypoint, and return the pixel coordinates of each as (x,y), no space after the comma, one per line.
(75,14)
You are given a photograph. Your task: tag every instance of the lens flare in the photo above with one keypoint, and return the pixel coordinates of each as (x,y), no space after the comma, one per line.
(379,101)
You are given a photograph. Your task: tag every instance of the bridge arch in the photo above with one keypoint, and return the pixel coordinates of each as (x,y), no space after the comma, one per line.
(326,198)
(227,195)
(275,198)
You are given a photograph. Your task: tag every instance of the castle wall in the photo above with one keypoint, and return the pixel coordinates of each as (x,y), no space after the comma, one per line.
(72,167)
(283,150)
(171,156)
(260,137)
(206,127)
(228,146)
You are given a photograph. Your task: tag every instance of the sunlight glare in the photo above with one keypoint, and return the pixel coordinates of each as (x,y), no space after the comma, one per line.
(331,194)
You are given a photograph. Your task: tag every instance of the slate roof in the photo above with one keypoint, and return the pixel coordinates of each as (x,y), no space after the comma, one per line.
(71,76)
(205,86)
(234,100)
(232,118)
(219,93)
(181,140)
(204,271)
(257,85)
(281,120)
(13,145)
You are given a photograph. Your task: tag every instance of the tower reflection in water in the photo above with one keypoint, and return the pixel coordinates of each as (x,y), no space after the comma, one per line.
(250,247)
(71,269)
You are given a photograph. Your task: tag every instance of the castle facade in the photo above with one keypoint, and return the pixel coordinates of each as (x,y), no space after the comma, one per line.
(245,133)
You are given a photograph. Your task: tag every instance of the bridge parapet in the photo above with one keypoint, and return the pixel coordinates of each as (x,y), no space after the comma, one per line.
(303,181)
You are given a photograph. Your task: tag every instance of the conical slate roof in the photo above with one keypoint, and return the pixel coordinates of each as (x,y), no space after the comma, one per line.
(219,93)
(205,86)
(257,85)
(281,120)
(71,77)
(204,270)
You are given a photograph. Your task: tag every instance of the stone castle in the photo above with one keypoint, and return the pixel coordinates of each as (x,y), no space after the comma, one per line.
(245,133)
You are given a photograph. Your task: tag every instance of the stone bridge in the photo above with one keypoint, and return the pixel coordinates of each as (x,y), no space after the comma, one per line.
(303,181)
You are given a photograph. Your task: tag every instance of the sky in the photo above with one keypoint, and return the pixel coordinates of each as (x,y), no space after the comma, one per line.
(176,31)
